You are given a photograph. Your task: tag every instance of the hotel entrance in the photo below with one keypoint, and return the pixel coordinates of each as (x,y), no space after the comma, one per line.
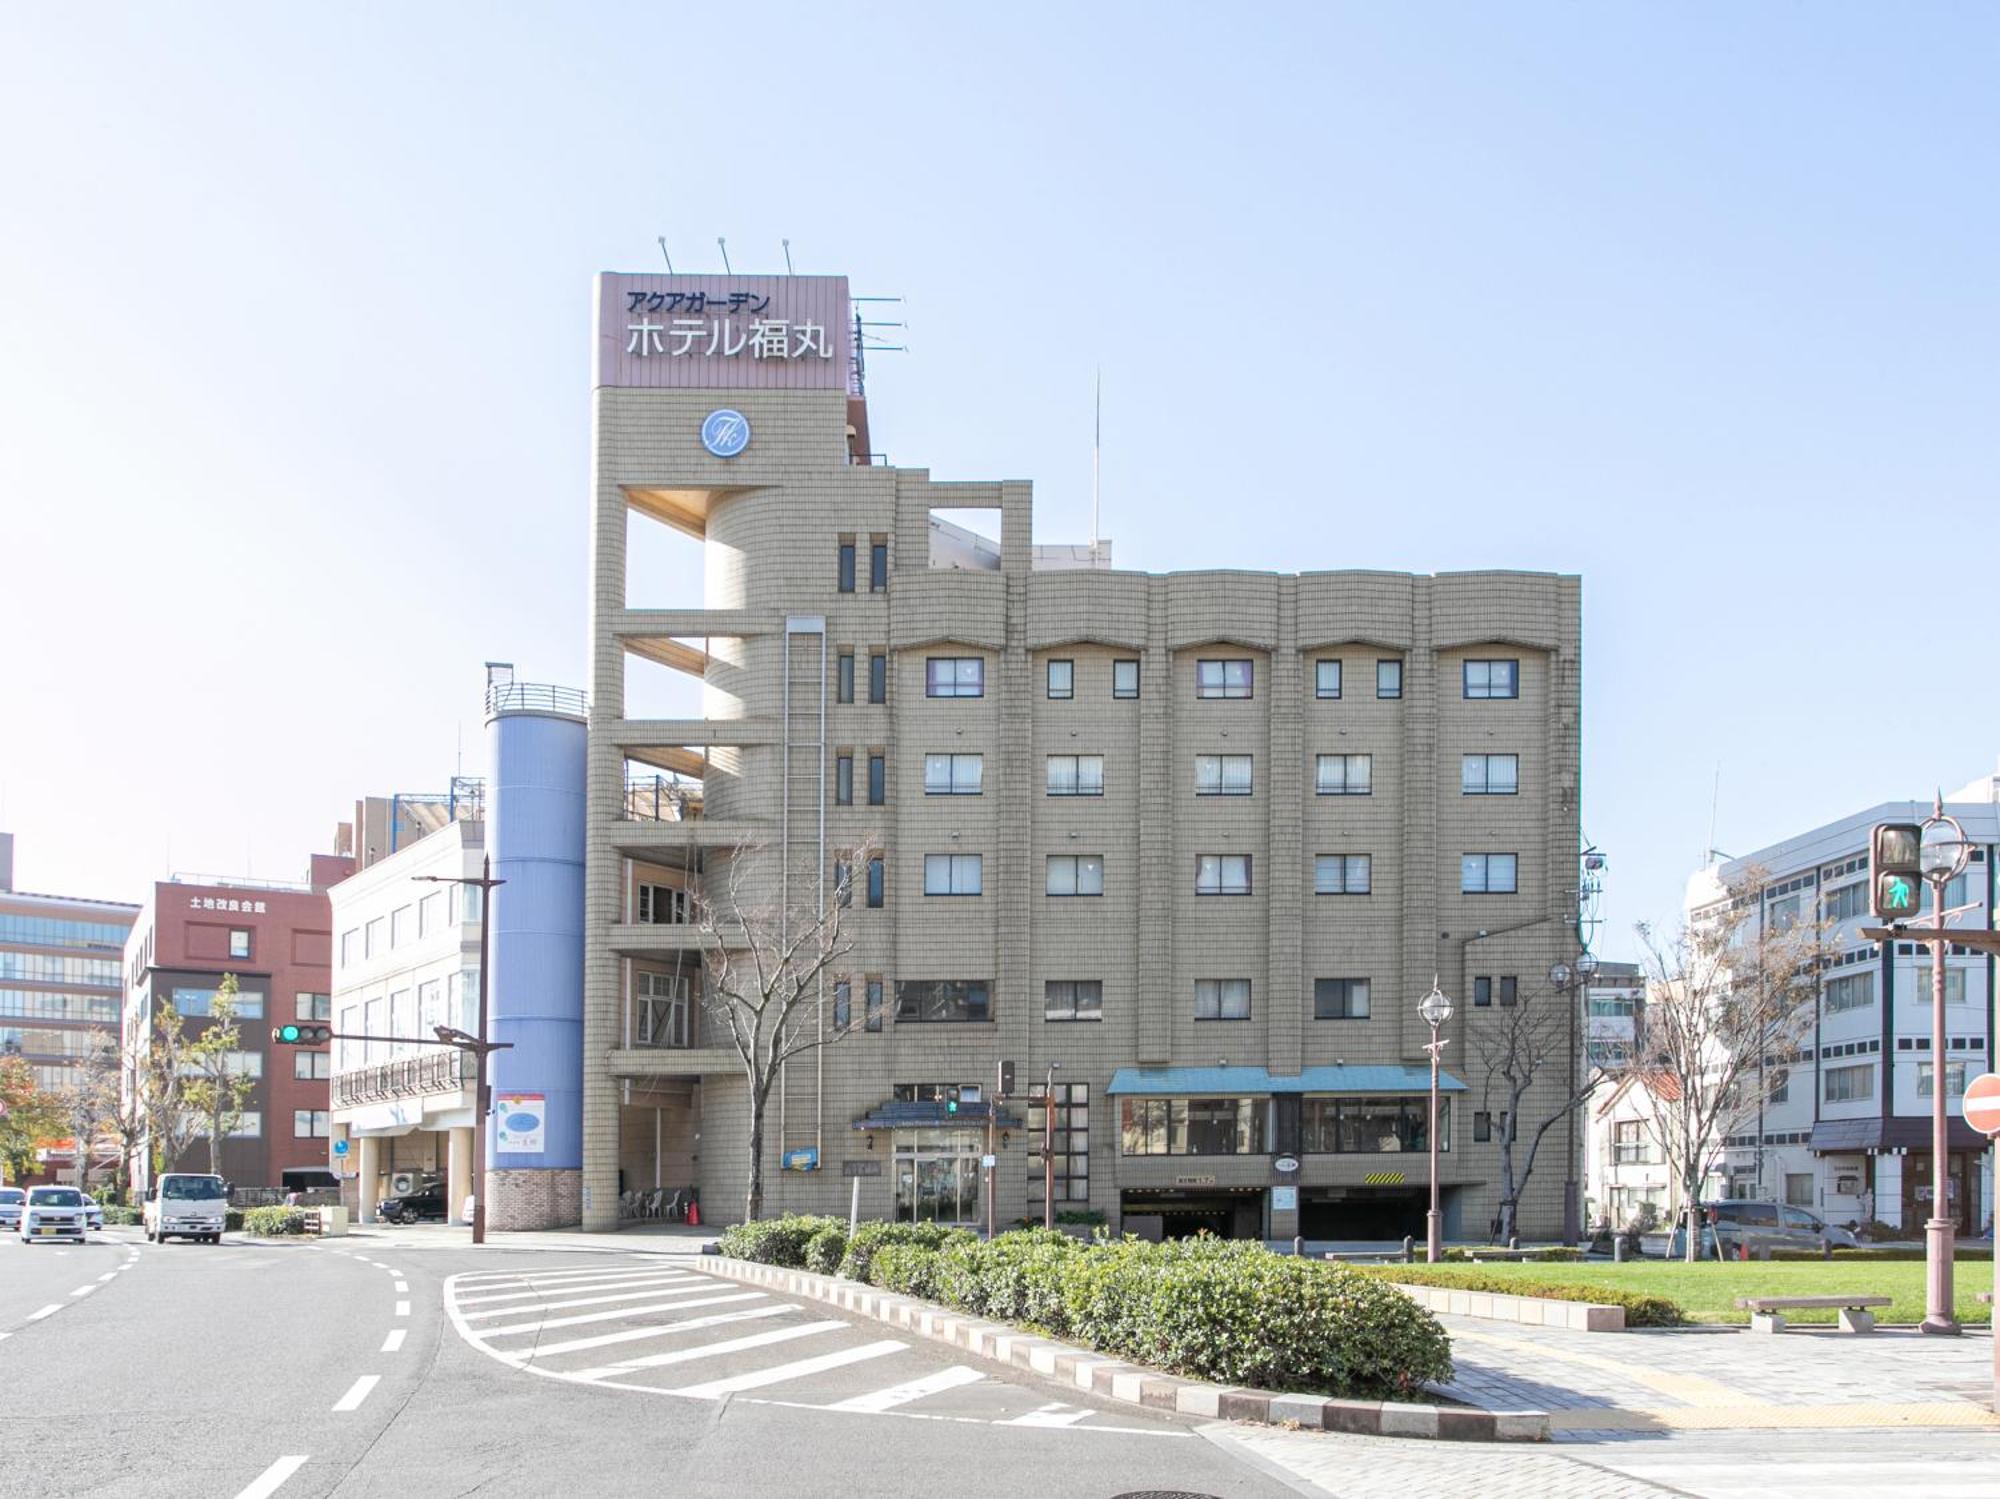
(938,1175)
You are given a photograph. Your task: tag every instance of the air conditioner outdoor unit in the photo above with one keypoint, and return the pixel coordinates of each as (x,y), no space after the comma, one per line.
(402,1183)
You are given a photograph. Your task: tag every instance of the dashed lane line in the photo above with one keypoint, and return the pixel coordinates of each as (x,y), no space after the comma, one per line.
(107,1275)
(273,1478)
(402,1309)
(394,1342)
(83,1290)
(357,1392)
(48,1311)
(402,1288)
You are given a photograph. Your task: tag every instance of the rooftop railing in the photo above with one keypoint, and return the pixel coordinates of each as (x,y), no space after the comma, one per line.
(536,697)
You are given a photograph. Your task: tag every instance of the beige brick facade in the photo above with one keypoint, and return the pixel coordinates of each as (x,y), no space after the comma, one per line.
(771,520)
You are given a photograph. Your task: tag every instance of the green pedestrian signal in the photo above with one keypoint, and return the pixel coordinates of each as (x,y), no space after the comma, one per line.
(1895,882)
(1897,897)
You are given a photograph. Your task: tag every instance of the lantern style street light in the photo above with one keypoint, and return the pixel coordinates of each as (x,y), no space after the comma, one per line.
(1942,854)
(1435,1010)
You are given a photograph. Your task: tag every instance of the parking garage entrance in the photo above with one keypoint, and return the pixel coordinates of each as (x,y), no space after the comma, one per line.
(1369,1214)
(1226,1212)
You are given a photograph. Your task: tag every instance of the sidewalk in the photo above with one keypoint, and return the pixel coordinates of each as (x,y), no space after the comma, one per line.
(675,1239)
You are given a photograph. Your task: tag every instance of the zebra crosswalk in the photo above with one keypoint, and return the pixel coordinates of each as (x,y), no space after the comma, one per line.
(640,1325)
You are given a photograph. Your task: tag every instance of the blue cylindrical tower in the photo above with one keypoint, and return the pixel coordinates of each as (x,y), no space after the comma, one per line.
(534,1139)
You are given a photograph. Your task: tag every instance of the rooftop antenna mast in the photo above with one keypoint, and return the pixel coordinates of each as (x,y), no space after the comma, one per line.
(723,245)
(788,257)
(1096,460)
(663,252)
(1714,800)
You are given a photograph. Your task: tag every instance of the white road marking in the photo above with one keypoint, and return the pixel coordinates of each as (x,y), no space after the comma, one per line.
(649,1292)
(915,1389)
(1049,1415)
(615,1313)
(632,1335)
(273,1478)
(107,1275)
(357,1393)
(402,1309)
(394,1342)
(402,1288)
(483,1277)
(48,1311)
(83,1290)
(804,1368)
(710,1350)
(648,1278)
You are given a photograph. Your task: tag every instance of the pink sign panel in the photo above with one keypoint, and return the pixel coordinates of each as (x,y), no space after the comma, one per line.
(723,332)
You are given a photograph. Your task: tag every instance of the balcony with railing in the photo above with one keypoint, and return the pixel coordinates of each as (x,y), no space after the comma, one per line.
(428,1073)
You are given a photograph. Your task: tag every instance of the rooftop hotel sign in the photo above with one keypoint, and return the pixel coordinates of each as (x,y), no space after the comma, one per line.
(723,332)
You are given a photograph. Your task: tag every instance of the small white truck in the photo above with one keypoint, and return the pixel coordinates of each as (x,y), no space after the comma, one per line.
(195,1207)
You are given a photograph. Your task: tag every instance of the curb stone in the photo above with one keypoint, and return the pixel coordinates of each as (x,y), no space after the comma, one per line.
(1133,1384)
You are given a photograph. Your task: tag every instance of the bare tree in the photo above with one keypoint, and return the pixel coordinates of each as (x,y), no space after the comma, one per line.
(218,1088)
(1513,1045)
(89,1103)
(1730,1002)
(764,963)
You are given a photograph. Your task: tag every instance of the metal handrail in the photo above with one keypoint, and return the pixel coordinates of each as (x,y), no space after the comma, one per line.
(536,697)
(403,1077)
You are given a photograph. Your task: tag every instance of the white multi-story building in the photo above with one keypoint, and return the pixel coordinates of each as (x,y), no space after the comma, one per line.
(406,959)
(1612,1003)
(1847,1132)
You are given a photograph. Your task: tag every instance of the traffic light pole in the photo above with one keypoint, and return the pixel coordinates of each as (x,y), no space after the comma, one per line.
(1940,1232)
(482,1090)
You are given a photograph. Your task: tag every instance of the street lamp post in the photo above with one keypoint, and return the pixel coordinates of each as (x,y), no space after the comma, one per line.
(1435,1010)
(1572,981)
(1942,855)
(482,1100)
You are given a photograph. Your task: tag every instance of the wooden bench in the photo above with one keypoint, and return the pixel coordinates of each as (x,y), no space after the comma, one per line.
(1766,1311)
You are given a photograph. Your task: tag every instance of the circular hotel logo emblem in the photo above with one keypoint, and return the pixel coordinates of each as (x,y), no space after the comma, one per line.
(726,433)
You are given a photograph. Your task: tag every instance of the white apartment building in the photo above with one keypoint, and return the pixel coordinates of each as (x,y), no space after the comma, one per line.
(1612,1003)
(1847,1132)
(406,959)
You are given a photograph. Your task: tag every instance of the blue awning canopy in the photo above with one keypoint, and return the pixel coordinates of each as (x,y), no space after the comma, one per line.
(1205,1081)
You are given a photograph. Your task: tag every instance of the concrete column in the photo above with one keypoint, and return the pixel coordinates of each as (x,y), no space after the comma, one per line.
(458,1173)
(369,1180)
(1889,1190)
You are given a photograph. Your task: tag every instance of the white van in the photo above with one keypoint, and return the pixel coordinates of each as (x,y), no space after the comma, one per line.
(194,1207)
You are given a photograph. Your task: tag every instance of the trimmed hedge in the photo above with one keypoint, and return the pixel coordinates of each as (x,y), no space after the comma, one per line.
(1558,1254)
(1641,1310)
(1882,1256)
(869,1238)
(275,1222)
(826,1249)
(775,1241)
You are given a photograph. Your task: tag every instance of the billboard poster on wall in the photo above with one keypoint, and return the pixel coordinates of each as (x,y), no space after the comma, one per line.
(518,1121)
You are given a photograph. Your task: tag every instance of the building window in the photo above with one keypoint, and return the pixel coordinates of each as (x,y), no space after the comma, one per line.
(1784,912)
(1222,999)
(1124,678)
(350,947)
(249,1125)
(1388,679)
(1222,874)
(955,676)
(1954,1079)
(662,905)
(199,1003)
(1846,1084)
(843,679)
(1222,678)
(1780,1088)
(1340,999)
(1062,679)
(310,1124)
(1487,874)
(878,678)
(878,567)
(239,941)
(376,937)
(843,779)
(942,1001)
(878,778)
(843,1004)
(312,1066)
(846,583)
(1341,874)
(665,1017)
(1191,1126)
(1068,1136)
(1075,775)
(1509,990)
(1222,775)
(1073,999)
(312,1006)
(1628,1143)
(402,921)
(1482,1126)
(1371,1126)
(1798,1189)
(954,775)
(1954,984)
(1851,991)
(875,884)
(951,874)
(1848,902)
(1076,874)
(1492,679)
(1344,775)
(872,1021)
(430,914)
(1489,775)
(1326,679)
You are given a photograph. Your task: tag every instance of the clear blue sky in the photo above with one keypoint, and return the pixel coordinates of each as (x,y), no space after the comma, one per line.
(1698,301)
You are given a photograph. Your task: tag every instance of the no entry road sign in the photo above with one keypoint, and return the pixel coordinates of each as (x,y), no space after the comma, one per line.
(1982,1103)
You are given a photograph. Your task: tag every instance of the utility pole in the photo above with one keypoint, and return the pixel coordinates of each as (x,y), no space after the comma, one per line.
(1048,1147)
(482,1090)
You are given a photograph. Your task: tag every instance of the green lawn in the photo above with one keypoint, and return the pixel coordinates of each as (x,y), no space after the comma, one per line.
(1708,1292)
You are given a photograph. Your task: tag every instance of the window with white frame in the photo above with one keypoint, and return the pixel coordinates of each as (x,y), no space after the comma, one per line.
(1954,1079)
(312,1066)
(1488,874)
(1075,775)
(1069,1133)
(1222,775)
(1073,999)
(955,676)
(954,775)
(1222,999)
(1846,903)
(662,905)
(1847,1084)
(311,1124)
(312,1006)
(239,942)
(662,1012)
(1341,874)
(1227,678)
(1487,679)
(1344,775)
(1340,999)
(249,1125)
(952,874)
(1222,874)
(1489,775)
(402,925)
(1851,991)
(430,914)
(1954,985)
(1062,679)
(1326,679)
(1076,874)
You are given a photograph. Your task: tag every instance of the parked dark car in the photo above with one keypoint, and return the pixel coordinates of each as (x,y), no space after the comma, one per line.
(425,1204)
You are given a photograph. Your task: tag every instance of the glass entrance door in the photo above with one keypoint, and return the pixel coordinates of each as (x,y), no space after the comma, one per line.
(937,1176)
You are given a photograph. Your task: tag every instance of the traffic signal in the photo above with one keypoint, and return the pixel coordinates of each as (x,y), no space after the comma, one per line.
(1895,881)
(301,1035)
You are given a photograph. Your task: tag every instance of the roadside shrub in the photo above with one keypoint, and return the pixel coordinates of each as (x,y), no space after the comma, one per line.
(275,1222)
(1880,1255)
(825,1249)
(124,1217)
(1020,1277)
(913,1269)
(868,1238)
(232,1220)
(775,1241)
(1556,1254)
(1641,1309)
